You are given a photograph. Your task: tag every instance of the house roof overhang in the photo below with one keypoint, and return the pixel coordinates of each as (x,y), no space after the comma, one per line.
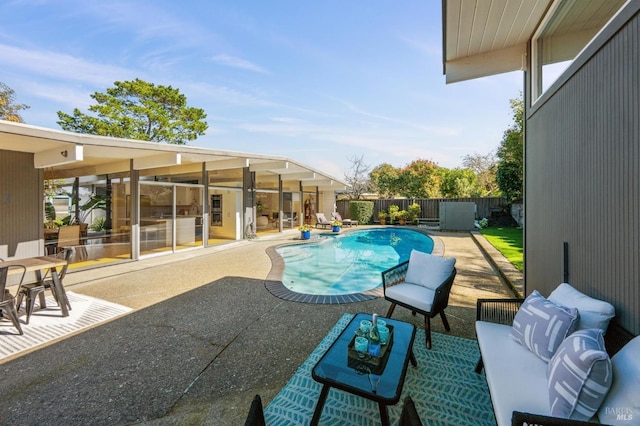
(65,155)
(487,37)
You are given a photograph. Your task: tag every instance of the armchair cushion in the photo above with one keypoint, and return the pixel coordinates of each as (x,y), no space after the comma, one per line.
(594,313)
(413,295)
(541,325)
(427,270)
(622,403)
(579,375)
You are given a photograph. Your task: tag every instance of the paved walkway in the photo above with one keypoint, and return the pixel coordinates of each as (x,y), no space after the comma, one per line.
(205,337)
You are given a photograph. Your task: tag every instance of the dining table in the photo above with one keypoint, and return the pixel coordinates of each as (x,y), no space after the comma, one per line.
(38,265)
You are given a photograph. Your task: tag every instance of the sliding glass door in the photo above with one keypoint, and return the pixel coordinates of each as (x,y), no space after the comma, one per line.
(170,217)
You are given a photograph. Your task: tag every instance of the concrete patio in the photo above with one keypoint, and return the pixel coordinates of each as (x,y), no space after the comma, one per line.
(205,336)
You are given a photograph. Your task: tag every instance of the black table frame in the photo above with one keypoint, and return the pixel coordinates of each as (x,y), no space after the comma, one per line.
(341,343)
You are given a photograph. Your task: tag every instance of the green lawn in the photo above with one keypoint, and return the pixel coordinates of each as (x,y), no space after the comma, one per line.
(508,241)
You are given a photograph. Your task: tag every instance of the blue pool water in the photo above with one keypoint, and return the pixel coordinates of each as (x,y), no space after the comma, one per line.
(348,263)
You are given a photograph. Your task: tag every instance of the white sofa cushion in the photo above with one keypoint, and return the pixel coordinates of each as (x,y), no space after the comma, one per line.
(413,295)
(594,313)
(579,375)
(516,377)
(622,404)
(541,325)
(427,270)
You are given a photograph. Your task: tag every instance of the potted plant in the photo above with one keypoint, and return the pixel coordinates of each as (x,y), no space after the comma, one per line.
(336,225)
(305,231)
(414,213)
(382,217)
(393,213)
(402,216)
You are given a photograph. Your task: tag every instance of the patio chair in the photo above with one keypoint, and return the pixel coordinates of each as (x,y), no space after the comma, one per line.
(345,222)
(321,220)
(31,290)
(69,236)
(8,302)
(409,415)
(256,413)
(421,284)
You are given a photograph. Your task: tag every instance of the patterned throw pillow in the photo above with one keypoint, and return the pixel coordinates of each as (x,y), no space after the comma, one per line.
(541,325)
(579,376)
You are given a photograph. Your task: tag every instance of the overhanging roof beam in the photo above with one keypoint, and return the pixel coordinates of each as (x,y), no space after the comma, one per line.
(160,160)
(235,163)
(269,166)
(57,156)
(299,176)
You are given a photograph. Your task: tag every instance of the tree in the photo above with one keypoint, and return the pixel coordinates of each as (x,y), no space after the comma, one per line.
(459,183)
(384,180)
(139,110)
(9,110)
(510,172)
(420,179)
(485,168)
(357,177)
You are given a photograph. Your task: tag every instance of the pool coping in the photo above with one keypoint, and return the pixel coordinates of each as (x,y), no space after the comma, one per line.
(274,285)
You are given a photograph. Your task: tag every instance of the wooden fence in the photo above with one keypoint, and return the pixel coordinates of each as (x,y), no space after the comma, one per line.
(430,208)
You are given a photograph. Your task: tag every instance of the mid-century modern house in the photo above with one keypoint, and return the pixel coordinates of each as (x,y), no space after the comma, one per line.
(581,62)
(156,198)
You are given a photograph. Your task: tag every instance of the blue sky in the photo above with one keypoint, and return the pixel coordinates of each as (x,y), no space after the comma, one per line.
(319,82)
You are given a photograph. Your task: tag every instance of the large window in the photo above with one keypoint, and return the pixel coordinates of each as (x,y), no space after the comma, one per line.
(568,29)
(170,217)
(98,204)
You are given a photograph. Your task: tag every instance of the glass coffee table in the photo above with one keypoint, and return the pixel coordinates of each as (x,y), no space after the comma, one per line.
(336,369)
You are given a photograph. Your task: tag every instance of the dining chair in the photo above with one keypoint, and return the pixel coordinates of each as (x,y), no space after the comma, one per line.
(32,290)
(69,236)
(7,304)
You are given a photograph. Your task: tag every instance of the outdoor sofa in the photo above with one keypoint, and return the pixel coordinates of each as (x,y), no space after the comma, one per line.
(570,381)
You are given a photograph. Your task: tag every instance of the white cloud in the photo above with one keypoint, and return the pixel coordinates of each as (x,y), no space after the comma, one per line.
(225,94)
(61,66)
(232,61)
(67,95)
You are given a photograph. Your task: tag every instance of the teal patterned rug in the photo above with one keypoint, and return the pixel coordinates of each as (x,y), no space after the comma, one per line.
(445,388)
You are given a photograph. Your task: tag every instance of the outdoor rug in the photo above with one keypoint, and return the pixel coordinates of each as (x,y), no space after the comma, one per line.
(445,388)
(47,325)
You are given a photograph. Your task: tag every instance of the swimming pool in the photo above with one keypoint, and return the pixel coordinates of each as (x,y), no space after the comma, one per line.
(348,263)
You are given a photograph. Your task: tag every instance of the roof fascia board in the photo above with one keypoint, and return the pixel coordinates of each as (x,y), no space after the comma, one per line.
(486,64)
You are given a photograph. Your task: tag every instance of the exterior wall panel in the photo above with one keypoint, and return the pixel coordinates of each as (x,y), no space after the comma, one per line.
(20,207)
(583,177)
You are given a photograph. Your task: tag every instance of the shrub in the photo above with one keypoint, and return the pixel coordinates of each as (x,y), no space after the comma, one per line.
(362,211)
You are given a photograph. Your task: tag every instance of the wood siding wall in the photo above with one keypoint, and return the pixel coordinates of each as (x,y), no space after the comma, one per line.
(20,207)
(583,175)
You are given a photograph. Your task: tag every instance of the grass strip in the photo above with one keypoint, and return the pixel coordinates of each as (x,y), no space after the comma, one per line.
(508,241)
